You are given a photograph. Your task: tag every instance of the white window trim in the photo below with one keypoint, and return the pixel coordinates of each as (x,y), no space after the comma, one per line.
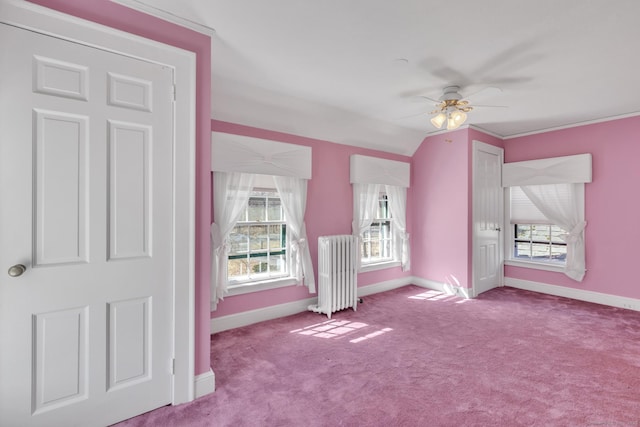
(508,238)
(263,285)
(374,266)
(535,265)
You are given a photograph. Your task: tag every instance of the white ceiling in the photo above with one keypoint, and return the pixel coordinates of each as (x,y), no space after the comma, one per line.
(350,71)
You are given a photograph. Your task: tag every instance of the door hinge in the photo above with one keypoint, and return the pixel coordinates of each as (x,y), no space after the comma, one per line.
(173,366)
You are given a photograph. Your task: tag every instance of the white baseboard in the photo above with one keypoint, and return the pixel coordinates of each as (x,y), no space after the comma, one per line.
(245,318)
(388,285)
(578,294)
(205,384)
(429,284)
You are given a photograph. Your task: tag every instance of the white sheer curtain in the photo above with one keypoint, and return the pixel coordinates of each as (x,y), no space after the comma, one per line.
(365,206)
(560,204)
(231,191)
(397,197)
(293,194)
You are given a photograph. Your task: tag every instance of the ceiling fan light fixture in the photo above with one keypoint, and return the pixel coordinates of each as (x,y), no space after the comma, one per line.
(459,116)
(455,119)
(439,120)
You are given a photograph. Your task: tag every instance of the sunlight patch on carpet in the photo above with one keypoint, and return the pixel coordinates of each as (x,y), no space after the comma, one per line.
(339,329)
(330,329)
(371,335)
(433,296)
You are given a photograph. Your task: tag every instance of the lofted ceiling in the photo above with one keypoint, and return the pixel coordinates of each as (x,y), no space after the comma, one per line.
(354,71)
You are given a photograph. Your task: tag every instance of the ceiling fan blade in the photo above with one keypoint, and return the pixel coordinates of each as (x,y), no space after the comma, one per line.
(484,92)
(489,106)
(423,98)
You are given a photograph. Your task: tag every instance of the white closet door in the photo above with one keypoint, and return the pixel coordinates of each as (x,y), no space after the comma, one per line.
(488,213)
(86,209)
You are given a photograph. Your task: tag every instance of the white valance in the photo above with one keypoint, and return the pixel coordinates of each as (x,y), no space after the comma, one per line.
(374,170)
(557,170)
(237,153)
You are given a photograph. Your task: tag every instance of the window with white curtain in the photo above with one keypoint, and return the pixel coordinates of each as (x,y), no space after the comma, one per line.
(258,234)
(378,240)
(533,238)
(380,211)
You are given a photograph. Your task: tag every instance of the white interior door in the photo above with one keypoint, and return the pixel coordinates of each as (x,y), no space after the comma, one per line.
(488,211)
(86,207)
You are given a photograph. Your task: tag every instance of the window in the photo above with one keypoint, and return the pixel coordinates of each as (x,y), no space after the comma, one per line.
(533,238)
(258,242)
(539,243)
(378,239)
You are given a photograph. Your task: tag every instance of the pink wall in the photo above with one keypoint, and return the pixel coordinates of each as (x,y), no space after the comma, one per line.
(440,211)
(329,211)
(442,206)
(113,15)
(612,205)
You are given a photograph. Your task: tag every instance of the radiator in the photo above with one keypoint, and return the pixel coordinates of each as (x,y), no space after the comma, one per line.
(337,274)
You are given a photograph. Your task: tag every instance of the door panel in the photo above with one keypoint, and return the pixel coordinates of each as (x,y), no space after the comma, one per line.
(86,190)
(130,209)
(61,359)
(60,188)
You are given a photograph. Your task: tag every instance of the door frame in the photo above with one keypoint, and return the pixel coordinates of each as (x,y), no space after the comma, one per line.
(476,146)
(29,16)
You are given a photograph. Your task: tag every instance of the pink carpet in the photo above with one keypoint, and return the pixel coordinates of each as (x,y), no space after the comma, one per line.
(413,357)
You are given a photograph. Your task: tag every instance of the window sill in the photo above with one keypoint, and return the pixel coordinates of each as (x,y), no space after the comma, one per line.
(246,288)
(364,268)
(535,265)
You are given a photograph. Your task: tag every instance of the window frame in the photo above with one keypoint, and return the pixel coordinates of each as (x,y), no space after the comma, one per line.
(510,237)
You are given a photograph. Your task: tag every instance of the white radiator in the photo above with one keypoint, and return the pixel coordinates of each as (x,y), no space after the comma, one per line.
(337,273)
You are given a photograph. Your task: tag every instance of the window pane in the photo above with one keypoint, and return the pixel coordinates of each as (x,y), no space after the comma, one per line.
(522,250)
(257,209)
(276,237)
(375,249)
(259,265)
(556,234)
(385,230)
(258,237)
(274,209)
(540,251)
(540,233)
(383,209)
(237,268)
(366,249)
(239,239)
(523,232)
(374,231)
(386,249)
(559,253)
(278,264)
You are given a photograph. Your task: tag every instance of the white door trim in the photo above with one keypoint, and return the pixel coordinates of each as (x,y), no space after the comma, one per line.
(36,18)
(476,146)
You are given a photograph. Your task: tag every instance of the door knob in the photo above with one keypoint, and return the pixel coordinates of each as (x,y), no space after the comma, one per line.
(17,270)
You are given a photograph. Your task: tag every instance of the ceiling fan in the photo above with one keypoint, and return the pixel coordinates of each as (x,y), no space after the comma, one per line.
(452,107)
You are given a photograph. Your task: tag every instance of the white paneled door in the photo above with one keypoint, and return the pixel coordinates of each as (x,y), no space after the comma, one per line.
(85,233)
(488,213)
